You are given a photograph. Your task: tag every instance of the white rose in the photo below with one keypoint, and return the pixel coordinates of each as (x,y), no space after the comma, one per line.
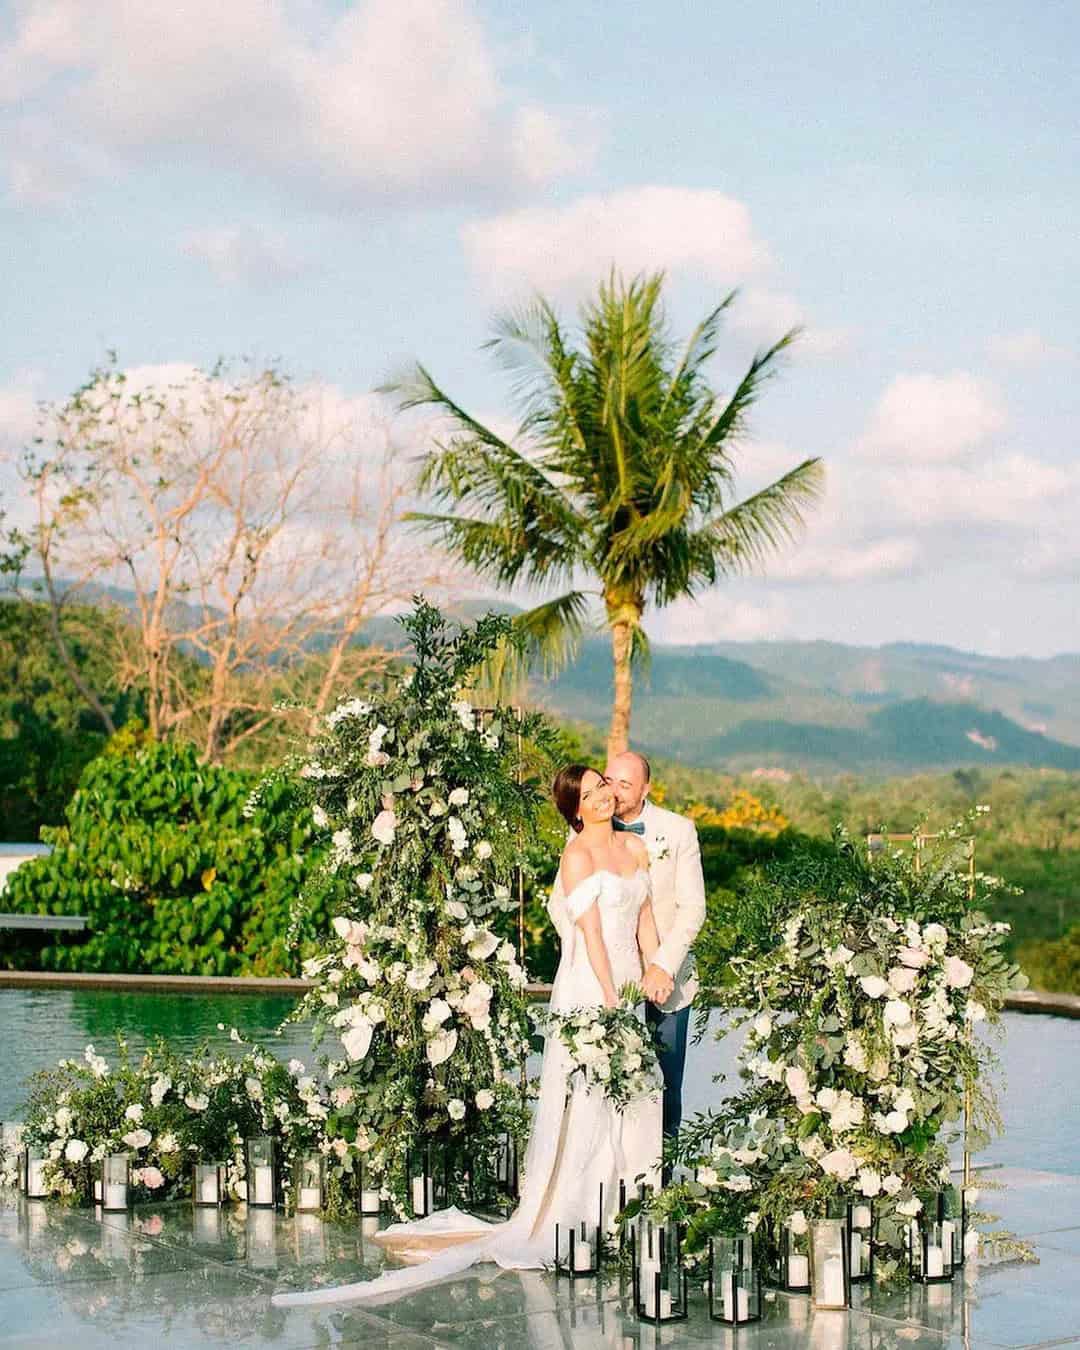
(708,1176)
(797,1082)
(975,1012)
(904,1101)
(839,1163)
(854,1054)
(934,935)
(902,979)
(869,1182)
(909,1208)
(351,931)
(873,986)
(441,1047)
(319,816)
(459,797)
(357,1039)
(958,974)
(896,1122)
(891,1184)
(483,849)
(905,1035)
(137,1138)
(384,827)
(913,957)
(159,1089)
(457,910)
(485,1099)
(827,1098)
(196,1101)
(456,1108)
(76,1150)
(363,881)
(134,1112)
(897,1013)
(798,1223)
(419,977)
(436,809)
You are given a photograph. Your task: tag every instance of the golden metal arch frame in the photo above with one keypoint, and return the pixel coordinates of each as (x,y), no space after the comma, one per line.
(875,844)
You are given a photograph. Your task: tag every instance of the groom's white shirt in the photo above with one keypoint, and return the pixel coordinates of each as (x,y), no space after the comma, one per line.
(678,898)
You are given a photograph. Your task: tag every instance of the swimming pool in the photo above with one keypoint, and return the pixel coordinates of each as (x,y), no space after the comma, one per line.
(1039,1055)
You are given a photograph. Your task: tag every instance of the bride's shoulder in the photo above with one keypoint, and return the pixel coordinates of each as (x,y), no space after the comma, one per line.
(576,866)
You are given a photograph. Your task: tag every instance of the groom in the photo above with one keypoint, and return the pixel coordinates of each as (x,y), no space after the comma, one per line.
(678,898)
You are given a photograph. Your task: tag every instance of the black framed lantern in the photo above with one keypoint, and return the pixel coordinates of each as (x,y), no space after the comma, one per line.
(930,1249)
(421,1182)
(830,1268)
(952,1215)
(793,1247)
(659,1273)
(506,1166)
(263,1188)
(578,1249)
(734,1281)
(860,1228)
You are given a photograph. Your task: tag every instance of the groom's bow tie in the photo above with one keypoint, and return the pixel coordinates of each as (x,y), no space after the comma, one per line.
(635,827)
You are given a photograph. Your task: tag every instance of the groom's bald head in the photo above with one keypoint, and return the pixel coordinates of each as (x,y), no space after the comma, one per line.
(629,774)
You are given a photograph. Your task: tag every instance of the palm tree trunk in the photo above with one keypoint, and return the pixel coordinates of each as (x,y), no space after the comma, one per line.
(623,617)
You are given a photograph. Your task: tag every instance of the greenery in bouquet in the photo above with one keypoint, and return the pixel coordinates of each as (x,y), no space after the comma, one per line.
(611,1048)
(425,803)
(863,987)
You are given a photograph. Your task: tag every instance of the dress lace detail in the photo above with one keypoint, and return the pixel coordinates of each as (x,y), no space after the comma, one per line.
(578,1143)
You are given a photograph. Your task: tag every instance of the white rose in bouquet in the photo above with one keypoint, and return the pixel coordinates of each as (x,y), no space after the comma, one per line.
(891,1184)
(909,1208)
(839,1163)
(913,957)
(351,931)
(873,986)
(75,1150)
(897,1013)
(137,1138)
(419,976)
(159,1089)
(483,849)
(456,1108)
(798,1084)
(134,1112)
(869,1182)
(459,797)
(485,1099)
(196,1101)
(975,1012)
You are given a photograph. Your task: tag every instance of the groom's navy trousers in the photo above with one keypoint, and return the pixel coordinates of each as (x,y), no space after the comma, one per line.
(671,1030)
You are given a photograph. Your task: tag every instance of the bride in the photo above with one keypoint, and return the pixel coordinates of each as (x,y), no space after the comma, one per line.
(579,1140)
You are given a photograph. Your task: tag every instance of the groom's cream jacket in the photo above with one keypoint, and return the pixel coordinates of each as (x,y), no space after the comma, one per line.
(678,897)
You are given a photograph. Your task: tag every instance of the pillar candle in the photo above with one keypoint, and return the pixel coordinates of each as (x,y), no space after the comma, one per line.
(948,1237)
(742,1304)
(582,1255)
(418,1195)
(935,1264)
(856,1255)
(369,1201)
(860,1216)
(209,1192)
(832,1282)
(309,1198)
(727,1293)
(35,1177)
(116,1195)
(798,1271)
(661,1305)
(264,1184)
(98,1196)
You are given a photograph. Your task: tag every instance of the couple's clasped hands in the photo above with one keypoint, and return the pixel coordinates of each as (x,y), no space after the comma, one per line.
(657,984)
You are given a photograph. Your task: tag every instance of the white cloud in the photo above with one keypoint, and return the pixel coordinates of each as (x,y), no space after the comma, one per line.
(840,560)
(1054,555)
(718,616)
(1028,347)
(244,254)
(766,315)
(1003,490)
(387,98)
(566,248)
(934,417)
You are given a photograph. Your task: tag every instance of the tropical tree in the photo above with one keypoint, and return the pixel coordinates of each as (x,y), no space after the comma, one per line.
(621,471)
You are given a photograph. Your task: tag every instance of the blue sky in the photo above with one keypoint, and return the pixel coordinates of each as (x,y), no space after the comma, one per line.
(342,186)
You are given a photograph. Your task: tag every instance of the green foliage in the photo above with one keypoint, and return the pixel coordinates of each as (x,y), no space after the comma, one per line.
(174,876)
(1054,965)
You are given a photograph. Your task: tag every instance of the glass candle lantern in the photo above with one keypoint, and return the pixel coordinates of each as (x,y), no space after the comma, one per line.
(506,1166)
(734,1282)
(830,1272)
(208,1184)
(794,1250)
(659,1274)
(97,1182)
(369,1197)
(261,1238)
(309,1239)
(116,1183)
(262,1172)
(312,1182)
(930,1257)
(860,1226)
(32,1173)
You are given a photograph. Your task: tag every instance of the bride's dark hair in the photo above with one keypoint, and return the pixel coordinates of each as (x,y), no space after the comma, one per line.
(566,790)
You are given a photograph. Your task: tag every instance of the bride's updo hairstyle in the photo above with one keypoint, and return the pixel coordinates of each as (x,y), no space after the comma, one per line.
(566,791)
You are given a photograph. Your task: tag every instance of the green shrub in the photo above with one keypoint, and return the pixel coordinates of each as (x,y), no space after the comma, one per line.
(174,878)
(1053,965)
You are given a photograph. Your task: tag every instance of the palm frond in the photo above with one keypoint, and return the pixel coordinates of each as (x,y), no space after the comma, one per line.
(744,534)
(553,630)
(732,415)
(504,549)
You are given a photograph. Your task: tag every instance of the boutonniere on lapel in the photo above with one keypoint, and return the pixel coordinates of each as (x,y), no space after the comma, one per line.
(658,848)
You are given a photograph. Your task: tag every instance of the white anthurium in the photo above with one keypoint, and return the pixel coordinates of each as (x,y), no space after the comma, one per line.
(480,943)
(439,1011)
(356,1040)
(441,1046)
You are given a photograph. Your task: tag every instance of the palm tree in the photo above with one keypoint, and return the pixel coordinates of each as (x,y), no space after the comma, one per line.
(623,475)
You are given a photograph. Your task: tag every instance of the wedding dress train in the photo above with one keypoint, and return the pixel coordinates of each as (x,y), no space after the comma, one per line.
(579,1141)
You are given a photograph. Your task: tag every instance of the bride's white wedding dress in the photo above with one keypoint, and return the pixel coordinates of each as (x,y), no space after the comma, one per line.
(578,1141)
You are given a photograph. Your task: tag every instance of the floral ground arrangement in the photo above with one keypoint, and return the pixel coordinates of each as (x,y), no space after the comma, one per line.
(865,986)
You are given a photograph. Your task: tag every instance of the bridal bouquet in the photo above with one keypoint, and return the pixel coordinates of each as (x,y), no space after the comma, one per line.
(611,1048)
